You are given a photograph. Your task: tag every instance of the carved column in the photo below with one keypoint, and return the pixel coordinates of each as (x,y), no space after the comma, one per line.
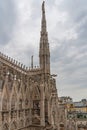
(49,112)
(42,111)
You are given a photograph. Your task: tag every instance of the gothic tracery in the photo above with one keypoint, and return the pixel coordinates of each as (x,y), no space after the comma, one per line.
(26,101)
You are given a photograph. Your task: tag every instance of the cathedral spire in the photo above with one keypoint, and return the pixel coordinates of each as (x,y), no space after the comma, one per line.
(43,18)
(44,53)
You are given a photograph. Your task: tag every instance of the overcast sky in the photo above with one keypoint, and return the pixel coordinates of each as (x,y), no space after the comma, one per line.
(20,23)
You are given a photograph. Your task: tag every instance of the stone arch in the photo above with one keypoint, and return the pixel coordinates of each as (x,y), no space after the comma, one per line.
(5,127)
(13,125)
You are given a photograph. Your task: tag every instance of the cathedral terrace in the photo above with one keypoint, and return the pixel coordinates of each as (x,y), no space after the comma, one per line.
(29,99)
(28,96)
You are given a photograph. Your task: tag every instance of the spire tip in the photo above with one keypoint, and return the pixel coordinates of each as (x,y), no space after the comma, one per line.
(43,6)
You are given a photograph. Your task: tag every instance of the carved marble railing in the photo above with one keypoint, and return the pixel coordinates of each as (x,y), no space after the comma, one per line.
(13,63)
(19,66)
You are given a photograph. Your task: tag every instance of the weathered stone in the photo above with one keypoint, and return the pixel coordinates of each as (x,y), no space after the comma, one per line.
(28,97)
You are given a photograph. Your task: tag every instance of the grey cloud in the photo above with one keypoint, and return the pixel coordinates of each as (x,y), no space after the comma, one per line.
(75,8)
(68,56)
(82,30)
(7,20)
(72,69)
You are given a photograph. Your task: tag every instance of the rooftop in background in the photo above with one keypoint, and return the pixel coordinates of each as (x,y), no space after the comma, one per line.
(65,99)
(81,103)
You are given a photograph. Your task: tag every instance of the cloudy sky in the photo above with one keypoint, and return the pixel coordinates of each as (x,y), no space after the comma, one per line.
(20,22)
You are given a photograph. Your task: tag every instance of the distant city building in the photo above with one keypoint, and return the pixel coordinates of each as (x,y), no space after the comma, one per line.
(66,99)
(75,113)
